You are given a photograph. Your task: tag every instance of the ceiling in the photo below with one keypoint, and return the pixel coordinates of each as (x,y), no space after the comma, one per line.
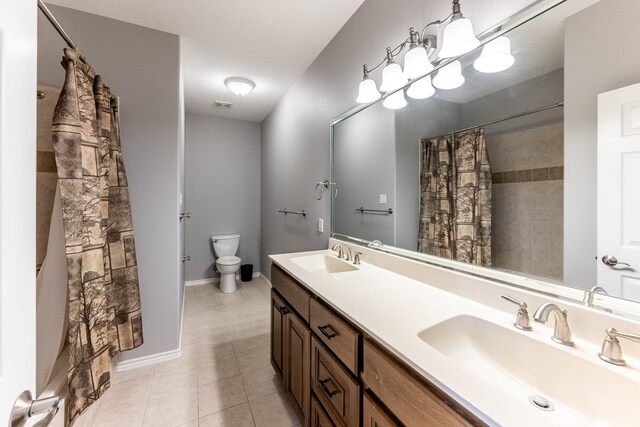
(270,42)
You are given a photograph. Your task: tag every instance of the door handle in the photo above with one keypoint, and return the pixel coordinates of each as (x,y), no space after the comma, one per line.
(26,407)
(611,261)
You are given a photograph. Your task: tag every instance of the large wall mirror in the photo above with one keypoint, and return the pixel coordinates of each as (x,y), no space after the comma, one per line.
(516,173)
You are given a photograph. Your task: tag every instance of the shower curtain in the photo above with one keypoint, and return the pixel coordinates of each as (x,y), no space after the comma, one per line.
(455,198)
(104,299)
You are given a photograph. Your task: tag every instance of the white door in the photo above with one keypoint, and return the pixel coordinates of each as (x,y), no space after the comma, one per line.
(18,27)
(619,192)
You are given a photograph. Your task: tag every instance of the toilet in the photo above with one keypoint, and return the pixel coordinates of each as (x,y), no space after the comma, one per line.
(225,246)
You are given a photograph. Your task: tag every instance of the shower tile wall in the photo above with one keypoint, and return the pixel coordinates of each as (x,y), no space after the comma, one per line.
(46,179)
(527,228)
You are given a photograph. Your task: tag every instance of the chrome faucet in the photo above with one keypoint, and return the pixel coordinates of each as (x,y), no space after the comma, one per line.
(340,247)
(591,293)
(561,333)
(611,350)
(522,317)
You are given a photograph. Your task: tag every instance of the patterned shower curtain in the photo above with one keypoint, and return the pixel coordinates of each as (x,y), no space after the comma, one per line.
(104,299)
(455,198)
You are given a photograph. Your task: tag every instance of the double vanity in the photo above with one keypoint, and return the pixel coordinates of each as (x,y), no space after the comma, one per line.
(391,341)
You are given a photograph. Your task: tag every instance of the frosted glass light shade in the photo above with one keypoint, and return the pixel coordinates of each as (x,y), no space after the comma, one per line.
(416,63)
(367,92)
(392,77)
(239,85)
(449,77)
(421,89)
(495,57)
(458,38)
(395,101)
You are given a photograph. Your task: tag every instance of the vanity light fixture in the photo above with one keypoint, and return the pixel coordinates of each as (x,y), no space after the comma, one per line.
(421,89)
(239,85)
(449,77)
(495,57)
(392,77)
(457,39)
(395,101)
(368,90)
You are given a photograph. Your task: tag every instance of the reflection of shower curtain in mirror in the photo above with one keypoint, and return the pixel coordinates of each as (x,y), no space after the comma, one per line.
(104,299)
(455,198)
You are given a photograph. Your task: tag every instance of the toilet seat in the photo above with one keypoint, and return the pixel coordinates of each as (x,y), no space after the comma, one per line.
(228,260)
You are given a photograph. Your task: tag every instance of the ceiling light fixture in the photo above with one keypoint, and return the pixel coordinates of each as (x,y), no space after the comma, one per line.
(239,85)
(457,39)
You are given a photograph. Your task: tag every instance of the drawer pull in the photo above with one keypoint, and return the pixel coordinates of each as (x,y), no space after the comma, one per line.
(329,335)
(283,309)
(330,393)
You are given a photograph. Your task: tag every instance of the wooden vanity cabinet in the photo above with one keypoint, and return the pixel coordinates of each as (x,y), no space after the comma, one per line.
(336,375)
(290,355)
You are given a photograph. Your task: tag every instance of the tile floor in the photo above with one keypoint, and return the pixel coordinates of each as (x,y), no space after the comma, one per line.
(223,378)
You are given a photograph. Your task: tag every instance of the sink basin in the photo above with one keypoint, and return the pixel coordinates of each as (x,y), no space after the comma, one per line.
(323,264)
(525,366)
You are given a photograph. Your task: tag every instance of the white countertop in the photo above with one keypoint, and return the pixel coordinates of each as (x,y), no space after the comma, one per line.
(394,309)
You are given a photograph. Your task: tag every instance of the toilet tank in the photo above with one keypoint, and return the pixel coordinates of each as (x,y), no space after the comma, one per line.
(225,244)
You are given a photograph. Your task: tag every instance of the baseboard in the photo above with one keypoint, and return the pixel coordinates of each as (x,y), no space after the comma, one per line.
(266,280)
(139,362)
(213,280)
(202,281)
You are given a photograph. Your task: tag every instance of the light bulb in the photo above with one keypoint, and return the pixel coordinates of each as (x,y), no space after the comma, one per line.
(421,89)
(458,38)
(392,77)
(239,86)
(495,57)
(395,101)
(449,77)
(416,63)
(368,92)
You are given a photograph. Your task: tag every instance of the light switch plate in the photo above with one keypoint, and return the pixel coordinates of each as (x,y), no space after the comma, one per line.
(321,225)
(383,199)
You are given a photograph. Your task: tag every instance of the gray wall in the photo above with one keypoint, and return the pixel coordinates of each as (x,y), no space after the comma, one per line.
(586,75)
(126,56)
(369,138)
(295,135)
(223,190)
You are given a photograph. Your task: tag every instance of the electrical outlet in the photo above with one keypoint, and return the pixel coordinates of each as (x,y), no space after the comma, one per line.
(321,225)
(383,199)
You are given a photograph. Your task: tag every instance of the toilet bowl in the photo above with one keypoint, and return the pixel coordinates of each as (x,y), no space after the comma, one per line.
(225,246)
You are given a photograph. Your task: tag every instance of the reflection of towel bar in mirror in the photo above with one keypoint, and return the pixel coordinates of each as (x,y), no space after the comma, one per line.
(285,211)
(384,211)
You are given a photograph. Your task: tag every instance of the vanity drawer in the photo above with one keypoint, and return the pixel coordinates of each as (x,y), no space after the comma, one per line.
(334,387)
(295,295)
(340,337)
(414,402)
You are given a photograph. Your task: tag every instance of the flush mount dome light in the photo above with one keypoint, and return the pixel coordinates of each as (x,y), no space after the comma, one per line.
(239,86)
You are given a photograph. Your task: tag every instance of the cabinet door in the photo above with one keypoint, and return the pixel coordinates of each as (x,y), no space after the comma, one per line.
(319,418)
(278,312)
(375,416)
(297,365)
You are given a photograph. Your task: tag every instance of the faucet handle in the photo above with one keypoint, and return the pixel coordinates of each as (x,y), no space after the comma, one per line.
(356,258)
(522,317)
(611,350)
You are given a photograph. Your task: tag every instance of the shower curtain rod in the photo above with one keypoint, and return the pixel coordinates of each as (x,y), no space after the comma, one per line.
(504,119)
(52,19)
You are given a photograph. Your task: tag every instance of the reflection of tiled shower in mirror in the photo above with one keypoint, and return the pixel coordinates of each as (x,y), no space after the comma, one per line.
(527,161)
